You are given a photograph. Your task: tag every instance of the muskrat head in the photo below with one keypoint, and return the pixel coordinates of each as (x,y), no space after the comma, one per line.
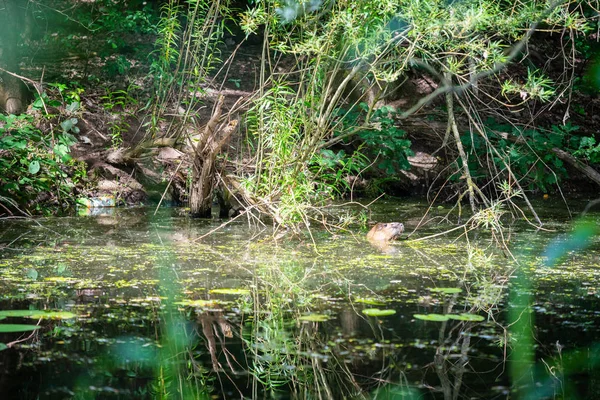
(385,231)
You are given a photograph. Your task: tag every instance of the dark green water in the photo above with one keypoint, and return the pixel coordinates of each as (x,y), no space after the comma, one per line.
(160,313)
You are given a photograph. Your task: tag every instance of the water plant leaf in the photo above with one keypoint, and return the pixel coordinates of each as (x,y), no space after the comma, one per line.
(239,292)
(467,317)
(197,303)
(7,328)
(376,312)
(314,318)
(60,279)
(432,317)
(447,290)
(37,314)
(370,301)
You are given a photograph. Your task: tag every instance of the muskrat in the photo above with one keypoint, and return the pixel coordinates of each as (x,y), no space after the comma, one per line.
(385,232)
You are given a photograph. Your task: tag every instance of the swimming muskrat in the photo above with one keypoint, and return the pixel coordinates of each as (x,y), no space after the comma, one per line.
(384,232)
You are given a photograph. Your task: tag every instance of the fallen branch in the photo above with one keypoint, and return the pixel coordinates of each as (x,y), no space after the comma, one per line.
(588,171)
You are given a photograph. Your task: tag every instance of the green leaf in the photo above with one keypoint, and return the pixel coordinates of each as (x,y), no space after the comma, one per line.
(38,103)
(34,167)
(467,317)
(32,274)
(62,151)
(446,290)
(7,328)
(3,346)
(37,314)
(432,317)
(376,312)
(314,318)
(60,268)
(230,291)
(74,106)
(67,124)
(370,301)
(198,303)
(9,143)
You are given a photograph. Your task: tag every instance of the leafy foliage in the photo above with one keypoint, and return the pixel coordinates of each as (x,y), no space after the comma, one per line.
(33,164)
(185,53)
(122,104)
(385,141)
(587,148)
(528,152)
(331,170)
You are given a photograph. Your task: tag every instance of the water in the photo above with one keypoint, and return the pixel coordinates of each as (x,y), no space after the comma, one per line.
(162,311)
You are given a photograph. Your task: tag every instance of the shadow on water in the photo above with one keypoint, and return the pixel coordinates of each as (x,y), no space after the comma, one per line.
(157,313)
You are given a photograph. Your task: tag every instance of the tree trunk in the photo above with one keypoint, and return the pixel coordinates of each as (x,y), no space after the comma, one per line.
(203,173)
(12,23)
(212,140)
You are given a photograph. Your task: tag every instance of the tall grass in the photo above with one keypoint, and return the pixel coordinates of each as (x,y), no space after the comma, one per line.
(186,53)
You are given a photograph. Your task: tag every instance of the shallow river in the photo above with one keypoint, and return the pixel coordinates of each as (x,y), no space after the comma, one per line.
(137,305)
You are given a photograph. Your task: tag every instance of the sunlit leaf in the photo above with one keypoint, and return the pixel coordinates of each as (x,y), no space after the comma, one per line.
(432,317)
(38,103)
(446,290)
(6,328)
(230,291)
(314,318)
(197,303)
(61,279)
(370,301)
(34,167)
(376,312)
(37,314)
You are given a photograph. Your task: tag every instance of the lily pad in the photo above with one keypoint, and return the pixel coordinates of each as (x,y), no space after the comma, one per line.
(371,302)
(60,279)
(446,290)
(432,317)
(376,312)
(314,318)
(467,317)
(197,303)
(239,292)
(7,328)
(36,314)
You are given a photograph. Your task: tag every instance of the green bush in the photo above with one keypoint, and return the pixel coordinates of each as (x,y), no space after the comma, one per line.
(381,139)
(528,152)
(34,167)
